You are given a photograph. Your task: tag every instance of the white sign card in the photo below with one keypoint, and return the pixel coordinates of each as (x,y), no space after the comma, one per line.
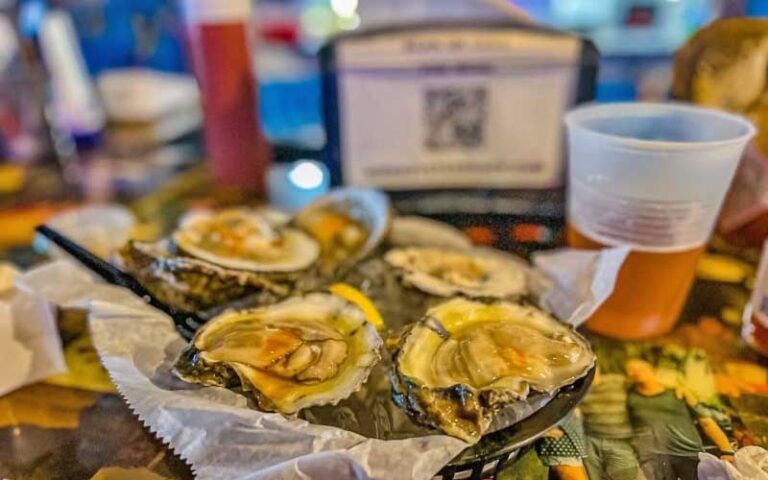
(455,108)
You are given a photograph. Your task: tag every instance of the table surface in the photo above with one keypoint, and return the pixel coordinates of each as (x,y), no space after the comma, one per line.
(52,430)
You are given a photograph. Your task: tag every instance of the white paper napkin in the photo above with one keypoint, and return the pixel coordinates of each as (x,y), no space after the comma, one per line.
(582,280)
(30,348)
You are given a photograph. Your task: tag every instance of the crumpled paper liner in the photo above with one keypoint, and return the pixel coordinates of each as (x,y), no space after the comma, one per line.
(214,430)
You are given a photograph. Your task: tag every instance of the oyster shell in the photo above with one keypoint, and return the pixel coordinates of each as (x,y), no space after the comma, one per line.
(304,351)
(466,360)
(446,272)
(192,285)
(348,223)
(412,230)
(243,240)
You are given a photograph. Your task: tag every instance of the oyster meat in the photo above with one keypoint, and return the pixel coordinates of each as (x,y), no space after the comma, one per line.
(466,360)
(243,240)
(304,351)
(446,272)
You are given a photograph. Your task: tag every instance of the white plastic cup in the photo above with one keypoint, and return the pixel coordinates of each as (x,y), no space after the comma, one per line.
(651,175)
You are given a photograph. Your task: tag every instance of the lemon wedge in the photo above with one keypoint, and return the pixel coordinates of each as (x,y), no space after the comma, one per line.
(355,296)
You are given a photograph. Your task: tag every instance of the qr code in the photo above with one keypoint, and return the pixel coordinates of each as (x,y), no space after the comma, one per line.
(455,117)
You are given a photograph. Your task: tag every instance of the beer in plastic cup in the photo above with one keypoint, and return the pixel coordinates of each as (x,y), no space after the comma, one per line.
(651,176)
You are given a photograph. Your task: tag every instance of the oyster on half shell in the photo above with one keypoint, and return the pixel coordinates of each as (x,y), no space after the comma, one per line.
(215,258)
(192,285)
(444,272)
(348,223)
(466,360)
(304,351)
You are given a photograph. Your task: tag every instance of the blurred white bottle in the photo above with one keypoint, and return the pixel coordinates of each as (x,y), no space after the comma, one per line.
(75,106)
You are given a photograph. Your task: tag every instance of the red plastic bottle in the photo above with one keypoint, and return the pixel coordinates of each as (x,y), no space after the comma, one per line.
(219,40)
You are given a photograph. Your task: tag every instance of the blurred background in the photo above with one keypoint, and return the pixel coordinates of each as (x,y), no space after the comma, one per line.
(98,102)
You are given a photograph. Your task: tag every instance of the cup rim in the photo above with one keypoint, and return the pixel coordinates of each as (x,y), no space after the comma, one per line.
(575,117)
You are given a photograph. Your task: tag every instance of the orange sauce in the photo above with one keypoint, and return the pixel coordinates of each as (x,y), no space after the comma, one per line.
(650,291)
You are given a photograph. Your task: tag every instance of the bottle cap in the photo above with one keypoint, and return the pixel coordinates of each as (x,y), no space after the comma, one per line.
(216,11)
